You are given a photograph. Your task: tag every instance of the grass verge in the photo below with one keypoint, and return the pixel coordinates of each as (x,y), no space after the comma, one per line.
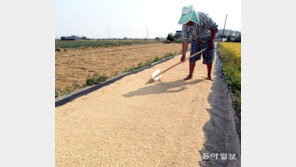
(231,57)
(90,80)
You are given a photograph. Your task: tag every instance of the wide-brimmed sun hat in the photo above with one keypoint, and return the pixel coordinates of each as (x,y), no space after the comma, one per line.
(188,14)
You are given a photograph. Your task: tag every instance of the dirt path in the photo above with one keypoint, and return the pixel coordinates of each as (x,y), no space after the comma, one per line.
(132,123)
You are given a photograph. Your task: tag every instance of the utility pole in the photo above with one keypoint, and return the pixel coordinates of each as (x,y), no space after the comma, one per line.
(108,33)
(147,32)
(224,29)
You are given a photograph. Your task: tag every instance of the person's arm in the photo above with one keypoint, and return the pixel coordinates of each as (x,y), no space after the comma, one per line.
(184,50)
(213,33)
(185,39)
(210,25)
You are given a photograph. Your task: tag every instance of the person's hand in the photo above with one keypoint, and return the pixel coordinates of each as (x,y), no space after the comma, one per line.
(211,45)
(183,59)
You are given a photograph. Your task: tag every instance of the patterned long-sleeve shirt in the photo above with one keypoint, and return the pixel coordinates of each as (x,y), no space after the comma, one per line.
(201,31)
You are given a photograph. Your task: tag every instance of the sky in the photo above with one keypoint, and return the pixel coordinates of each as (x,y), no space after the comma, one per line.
(132,18)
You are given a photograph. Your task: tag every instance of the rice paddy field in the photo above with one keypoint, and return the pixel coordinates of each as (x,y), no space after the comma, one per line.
(102,43)
(234,48)
(79,63)
(231,57)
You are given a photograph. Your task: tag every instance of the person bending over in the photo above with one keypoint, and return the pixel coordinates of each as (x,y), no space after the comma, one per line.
(202,29)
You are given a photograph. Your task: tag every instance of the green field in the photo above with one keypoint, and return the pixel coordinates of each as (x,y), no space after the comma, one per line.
(231,57)
(102,43)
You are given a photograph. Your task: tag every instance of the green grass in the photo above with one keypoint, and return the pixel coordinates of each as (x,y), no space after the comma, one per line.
(230,54)
(62,91)
(101,43)
(95,79)
(90,80)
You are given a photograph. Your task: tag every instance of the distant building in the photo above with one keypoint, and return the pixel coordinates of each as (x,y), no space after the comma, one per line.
(227,33)
(235,33)
(218,36)
(160,38)
(73,38)
(179,34)
(70,38)
(219,39)
(232,35)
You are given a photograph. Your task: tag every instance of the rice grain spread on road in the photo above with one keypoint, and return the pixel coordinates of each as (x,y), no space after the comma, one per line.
(134,123)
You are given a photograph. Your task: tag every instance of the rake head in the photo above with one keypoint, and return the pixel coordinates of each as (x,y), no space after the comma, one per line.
(155,75)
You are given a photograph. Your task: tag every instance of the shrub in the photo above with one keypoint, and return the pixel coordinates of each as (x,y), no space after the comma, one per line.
(170,37)
(76,85)
(95,79)
(148,63)
(61,91)
(155,59)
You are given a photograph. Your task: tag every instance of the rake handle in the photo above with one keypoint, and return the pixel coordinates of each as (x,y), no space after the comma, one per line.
(181,61)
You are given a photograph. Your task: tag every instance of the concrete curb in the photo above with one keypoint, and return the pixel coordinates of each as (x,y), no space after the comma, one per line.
(61,100)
